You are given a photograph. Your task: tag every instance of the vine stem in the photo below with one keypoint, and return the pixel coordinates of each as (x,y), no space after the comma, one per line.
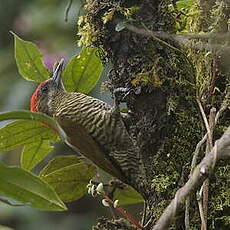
(205,186)
(124,213)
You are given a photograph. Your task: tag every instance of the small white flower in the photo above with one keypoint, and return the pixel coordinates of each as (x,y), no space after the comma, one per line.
(105,203)
(93,190)
(115,203)
(100,189)
(89,184)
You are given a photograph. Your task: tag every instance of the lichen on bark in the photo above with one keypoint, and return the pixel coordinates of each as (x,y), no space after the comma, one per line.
(164,80)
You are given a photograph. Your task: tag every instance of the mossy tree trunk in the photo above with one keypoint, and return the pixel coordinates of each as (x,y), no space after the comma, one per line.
(164,80)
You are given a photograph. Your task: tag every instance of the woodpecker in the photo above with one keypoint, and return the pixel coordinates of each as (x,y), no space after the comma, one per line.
(93,128)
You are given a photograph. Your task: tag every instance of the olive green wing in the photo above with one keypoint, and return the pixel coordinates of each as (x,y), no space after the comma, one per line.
(79,140)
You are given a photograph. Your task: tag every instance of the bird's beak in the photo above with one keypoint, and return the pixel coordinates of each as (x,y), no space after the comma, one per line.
(57,73)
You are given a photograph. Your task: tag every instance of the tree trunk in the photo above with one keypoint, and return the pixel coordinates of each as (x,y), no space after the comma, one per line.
(164,80)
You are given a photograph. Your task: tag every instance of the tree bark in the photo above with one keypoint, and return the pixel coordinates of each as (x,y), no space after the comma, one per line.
(163,79)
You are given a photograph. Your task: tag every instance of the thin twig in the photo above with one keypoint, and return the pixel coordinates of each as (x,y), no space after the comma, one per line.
(204,211)
(205,186)
(193,165)
(164,34)
(184,39)
(194,162)
(195,154)
(205,121)
(223,107)
(201,210)
(67,10)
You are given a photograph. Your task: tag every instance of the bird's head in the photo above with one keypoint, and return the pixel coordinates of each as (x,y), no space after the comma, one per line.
(45,93)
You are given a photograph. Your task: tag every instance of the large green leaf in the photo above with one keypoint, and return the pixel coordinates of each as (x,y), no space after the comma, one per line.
(35,152)
(68,176)
(2,227)
(35,136)
(59,162)
(83,71)
(22,132)
(29,189)
(128,196)
(27,115)
(29,60)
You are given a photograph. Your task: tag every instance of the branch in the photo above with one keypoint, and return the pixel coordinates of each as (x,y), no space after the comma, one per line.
(184,39)
(205,122)
(224,106)
(201,210)
(221,150)
(205,186)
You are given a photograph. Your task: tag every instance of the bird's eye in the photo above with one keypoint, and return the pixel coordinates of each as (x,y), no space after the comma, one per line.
(44,89)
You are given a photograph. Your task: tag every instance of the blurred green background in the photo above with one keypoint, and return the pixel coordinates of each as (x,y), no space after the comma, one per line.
(41,21)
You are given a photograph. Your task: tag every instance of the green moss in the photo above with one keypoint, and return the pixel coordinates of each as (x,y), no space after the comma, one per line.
(180,75)
(160,183)
(86,31)
(220,17)
(160,208)
(220,197)
(205,63)
(149,77)
(93,25)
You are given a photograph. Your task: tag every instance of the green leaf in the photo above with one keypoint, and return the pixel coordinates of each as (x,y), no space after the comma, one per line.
(29,60)
(59,162)
(27,115)
(24,132)
(68,177)
(2,227)
(29,189)
(34,153)
(128,196)
(83,71)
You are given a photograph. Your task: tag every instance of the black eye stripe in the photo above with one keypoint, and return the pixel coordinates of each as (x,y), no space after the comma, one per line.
(44,89)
